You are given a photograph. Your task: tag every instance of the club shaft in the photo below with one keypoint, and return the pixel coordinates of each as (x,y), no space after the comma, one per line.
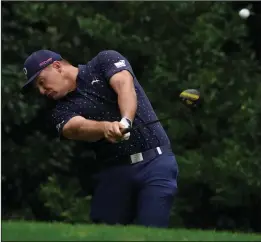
(150,123)
(144,125)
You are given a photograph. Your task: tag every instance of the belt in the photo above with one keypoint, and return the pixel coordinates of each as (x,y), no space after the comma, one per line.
(148,154)
(139,157)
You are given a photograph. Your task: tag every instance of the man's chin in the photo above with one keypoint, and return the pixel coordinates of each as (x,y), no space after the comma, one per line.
(53,96)
(57,96)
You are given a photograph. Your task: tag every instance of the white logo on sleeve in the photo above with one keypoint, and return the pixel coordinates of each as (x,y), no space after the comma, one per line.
(58,126)
(120,63)
(95,80)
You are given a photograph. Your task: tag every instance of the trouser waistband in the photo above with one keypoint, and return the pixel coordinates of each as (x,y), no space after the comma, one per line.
(138,157)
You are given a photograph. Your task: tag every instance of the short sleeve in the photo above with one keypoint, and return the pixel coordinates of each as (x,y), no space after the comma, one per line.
(112,62)
(59,117)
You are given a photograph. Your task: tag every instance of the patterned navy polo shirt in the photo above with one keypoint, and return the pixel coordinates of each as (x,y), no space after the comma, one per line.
(95,99)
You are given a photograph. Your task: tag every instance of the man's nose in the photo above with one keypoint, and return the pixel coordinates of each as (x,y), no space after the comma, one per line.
(42,90)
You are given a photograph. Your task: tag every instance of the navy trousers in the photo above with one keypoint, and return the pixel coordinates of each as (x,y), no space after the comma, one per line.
(140,194)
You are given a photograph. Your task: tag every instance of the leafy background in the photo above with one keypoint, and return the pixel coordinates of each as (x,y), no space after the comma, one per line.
(172,46)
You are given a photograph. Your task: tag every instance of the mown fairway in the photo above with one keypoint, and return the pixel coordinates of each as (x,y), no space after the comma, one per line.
(29,231)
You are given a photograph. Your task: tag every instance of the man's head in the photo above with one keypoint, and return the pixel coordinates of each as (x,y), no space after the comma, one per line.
(49,73)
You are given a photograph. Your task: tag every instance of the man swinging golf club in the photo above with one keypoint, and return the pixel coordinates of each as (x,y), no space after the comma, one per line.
(95,102)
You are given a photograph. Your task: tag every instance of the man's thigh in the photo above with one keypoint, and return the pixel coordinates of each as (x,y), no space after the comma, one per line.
(155,199)
(113,201)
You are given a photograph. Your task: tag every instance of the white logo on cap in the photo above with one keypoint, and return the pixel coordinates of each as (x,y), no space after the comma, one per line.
(120,63)
(25,71)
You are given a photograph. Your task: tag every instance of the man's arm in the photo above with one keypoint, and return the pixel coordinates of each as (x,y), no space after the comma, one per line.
(122,83)
(117,70)
(79,128)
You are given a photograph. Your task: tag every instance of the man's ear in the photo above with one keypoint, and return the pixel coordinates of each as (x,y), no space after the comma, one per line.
(57,66)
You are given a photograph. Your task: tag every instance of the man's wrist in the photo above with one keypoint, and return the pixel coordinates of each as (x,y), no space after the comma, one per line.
(126,121)
(104,125)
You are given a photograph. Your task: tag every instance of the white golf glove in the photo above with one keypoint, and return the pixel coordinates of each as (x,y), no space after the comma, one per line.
(127,124)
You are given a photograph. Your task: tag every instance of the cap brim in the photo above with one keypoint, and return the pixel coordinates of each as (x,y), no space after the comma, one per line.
(28,85)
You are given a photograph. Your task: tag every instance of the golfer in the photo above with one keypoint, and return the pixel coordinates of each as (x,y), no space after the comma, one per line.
(95,102)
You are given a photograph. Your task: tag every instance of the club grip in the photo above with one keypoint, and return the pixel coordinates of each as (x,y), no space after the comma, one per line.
(127,130)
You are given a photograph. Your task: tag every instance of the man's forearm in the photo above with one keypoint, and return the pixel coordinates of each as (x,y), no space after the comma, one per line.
(91,130)
(123,84)
(80,128)
(127,101)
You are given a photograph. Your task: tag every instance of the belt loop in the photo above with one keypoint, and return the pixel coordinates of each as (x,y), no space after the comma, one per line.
(159,150)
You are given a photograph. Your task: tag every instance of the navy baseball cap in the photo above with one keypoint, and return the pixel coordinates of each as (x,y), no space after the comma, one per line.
(36,62)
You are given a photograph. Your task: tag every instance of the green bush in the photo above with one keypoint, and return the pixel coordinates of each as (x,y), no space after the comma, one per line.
(64,202)
(172,46)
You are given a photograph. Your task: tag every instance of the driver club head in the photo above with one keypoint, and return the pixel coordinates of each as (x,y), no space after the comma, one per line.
(190,97)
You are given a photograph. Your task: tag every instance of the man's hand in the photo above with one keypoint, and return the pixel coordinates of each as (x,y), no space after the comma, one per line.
(112,131)
(127,124)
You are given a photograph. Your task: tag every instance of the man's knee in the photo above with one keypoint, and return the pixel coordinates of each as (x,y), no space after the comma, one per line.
(157,196)
(112,200)
(155,204)
(157,211)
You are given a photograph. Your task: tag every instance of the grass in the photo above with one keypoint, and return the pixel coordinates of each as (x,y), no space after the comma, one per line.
(35,231)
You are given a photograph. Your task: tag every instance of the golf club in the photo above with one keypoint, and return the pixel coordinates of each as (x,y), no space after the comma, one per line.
(189,97)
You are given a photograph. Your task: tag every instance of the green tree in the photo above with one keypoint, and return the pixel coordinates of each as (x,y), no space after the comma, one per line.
(172,46)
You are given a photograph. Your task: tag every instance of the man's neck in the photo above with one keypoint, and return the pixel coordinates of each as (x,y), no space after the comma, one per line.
(72,76)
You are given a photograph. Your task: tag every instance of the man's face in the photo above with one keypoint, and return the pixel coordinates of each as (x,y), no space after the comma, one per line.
(52,82)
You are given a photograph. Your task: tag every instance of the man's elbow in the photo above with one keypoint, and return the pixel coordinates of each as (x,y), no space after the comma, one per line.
(72,128)
(122,82)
